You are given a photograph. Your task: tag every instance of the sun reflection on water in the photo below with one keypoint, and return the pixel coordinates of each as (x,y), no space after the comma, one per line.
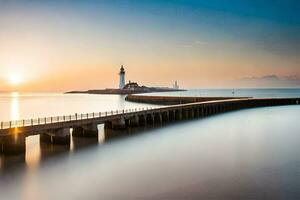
(33,151)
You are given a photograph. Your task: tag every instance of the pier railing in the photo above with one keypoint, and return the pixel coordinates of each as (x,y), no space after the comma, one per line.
(250,103)
(65,118)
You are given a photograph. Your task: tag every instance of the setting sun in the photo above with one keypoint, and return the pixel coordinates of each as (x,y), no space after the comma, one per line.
(15,79)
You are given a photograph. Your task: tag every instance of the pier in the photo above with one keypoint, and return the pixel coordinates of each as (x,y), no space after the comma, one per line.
(57,130)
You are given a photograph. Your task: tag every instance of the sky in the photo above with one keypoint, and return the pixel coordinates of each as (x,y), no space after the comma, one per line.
(62,45)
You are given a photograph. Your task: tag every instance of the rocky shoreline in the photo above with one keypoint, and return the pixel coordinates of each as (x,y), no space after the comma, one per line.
(125,91)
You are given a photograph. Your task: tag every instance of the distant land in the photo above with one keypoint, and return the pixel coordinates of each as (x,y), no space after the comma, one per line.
(142,89)
(129,88)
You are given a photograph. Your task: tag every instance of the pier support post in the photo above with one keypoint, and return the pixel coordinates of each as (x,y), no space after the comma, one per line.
(150,119)
(214,109)
(185,114)
(178,115)
(207,111)
(204,111)
(133,121)
(197,112)
(142,120)
(165,116)
(12,144)
(201,110)
(89,130)
(191,113)
(171,115)
(118,123)
(227,107)
(221,108)
(77,131)
(56,136)
(157,118)
(108,125)
(210,110)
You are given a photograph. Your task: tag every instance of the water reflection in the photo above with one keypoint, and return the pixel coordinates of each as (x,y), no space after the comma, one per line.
(239,155)
(37,151)
(11,163)
(33,152)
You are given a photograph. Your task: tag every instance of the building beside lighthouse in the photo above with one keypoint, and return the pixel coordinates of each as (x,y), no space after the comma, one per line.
(133,87)
(122,78)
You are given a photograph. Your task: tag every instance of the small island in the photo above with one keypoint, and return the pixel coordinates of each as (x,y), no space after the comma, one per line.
(129,88)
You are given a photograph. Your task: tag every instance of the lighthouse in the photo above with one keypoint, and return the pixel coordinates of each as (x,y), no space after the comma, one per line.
(122,78)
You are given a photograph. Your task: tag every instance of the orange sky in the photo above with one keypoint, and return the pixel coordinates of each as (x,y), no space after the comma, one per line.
(51,48)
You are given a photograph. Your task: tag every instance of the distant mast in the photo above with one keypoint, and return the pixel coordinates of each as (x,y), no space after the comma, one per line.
(175,85)
(122,78)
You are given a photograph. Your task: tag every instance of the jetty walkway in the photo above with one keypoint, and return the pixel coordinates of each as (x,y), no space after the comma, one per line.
(57,130)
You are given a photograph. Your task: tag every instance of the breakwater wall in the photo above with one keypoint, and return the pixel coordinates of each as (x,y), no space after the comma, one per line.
(169,100)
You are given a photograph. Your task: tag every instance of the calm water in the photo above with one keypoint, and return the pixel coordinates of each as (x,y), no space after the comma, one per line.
(249,154)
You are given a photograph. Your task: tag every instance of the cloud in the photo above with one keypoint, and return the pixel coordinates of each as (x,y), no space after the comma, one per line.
(198,42)
(269,81)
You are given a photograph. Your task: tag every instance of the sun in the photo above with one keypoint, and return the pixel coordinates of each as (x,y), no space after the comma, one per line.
(15,79)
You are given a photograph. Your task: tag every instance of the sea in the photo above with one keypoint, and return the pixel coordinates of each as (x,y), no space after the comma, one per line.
(246,154)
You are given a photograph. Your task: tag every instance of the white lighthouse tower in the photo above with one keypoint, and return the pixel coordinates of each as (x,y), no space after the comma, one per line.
(122,78)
